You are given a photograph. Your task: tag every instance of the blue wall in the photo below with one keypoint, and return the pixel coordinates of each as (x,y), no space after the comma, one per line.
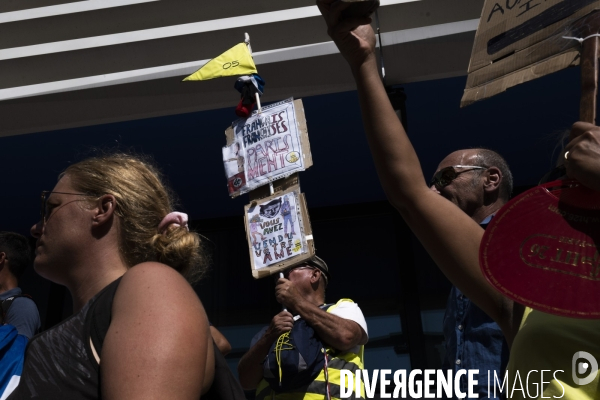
(522,124)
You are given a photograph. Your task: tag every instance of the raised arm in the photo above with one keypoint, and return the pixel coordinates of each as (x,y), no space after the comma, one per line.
(158,345)
(450,236)
(339,333)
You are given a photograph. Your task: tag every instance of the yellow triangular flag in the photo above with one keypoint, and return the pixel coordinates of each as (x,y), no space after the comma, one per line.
(235,61)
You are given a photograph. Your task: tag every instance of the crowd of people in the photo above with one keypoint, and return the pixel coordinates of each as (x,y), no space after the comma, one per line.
(447,220)
(110,232)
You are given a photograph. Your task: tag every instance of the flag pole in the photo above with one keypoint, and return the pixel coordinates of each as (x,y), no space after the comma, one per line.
(247,41)
(258,103)
(281,277)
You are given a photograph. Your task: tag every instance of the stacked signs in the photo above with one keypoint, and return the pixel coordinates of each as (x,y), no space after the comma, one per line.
(269,148)
(521,40)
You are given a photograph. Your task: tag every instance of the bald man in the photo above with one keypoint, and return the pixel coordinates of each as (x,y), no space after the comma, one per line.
(479,182)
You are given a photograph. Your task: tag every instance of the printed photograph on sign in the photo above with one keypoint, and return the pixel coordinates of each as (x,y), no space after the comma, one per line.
(275,230)
(271,144)
(233,159)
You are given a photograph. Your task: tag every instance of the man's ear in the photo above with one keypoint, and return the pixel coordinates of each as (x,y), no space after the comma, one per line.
(492,179)
(315,276)
(2,260)
(106,207)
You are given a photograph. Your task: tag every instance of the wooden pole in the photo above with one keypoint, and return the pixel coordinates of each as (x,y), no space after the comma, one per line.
(589,79)
(282,306)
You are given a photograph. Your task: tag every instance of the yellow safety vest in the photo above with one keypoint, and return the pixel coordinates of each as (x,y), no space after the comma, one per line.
(317,389)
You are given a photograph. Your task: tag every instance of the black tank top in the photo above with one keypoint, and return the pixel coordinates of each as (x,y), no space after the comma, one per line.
(59,363)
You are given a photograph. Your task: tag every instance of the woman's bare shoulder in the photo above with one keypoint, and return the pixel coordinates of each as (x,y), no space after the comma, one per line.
(160,284)
(157,343)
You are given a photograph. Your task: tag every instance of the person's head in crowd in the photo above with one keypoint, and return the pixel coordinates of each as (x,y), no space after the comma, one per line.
(310,277)
(473,178)
(126,199)
(15,253)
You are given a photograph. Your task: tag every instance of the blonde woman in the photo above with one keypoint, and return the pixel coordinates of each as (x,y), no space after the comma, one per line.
(109,234)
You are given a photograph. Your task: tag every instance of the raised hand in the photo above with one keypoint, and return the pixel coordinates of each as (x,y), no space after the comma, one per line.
(281,323)
(286,293)
(353,36)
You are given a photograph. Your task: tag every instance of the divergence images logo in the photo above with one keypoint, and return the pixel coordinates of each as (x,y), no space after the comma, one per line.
(580,367)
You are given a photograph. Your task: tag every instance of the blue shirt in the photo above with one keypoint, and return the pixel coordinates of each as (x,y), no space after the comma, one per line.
(473,341)
(22,314)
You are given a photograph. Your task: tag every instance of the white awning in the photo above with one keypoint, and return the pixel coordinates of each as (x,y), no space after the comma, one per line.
(97,61)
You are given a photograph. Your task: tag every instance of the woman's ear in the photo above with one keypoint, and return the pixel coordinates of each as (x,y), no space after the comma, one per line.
(106,208)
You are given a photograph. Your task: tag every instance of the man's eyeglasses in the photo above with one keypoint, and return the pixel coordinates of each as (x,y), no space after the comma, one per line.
(444,176)
(286,274)
(45,211)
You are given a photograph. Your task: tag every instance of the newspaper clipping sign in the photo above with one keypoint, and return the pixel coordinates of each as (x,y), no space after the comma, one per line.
(233,158)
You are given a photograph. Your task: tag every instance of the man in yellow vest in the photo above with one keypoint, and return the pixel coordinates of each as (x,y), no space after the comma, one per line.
(341,328)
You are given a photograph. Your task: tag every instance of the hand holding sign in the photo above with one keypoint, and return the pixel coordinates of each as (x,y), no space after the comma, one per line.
(281,323)
(286,293)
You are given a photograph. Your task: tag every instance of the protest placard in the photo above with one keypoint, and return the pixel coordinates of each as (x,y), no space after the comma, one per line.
(547,235)
(521,40)
(269,145)
(278,232)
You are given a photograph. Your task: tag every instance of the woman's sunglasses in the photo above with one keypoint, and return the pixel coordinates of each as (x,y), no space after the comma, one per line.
(444,176)
(45,210)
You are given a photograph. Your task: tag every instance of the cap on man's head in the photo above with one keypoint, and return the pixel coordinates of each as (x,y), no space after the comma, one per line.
(318,262)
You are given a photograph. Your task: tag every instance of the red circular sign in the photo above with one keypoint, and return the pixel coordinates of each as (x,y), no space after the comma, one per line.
(542,249)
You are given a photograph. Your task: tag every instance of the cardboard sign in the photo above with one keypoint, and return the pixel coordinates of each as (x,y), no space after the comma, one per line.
(521,40)
(267,146)
(541,249)
(278,231)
